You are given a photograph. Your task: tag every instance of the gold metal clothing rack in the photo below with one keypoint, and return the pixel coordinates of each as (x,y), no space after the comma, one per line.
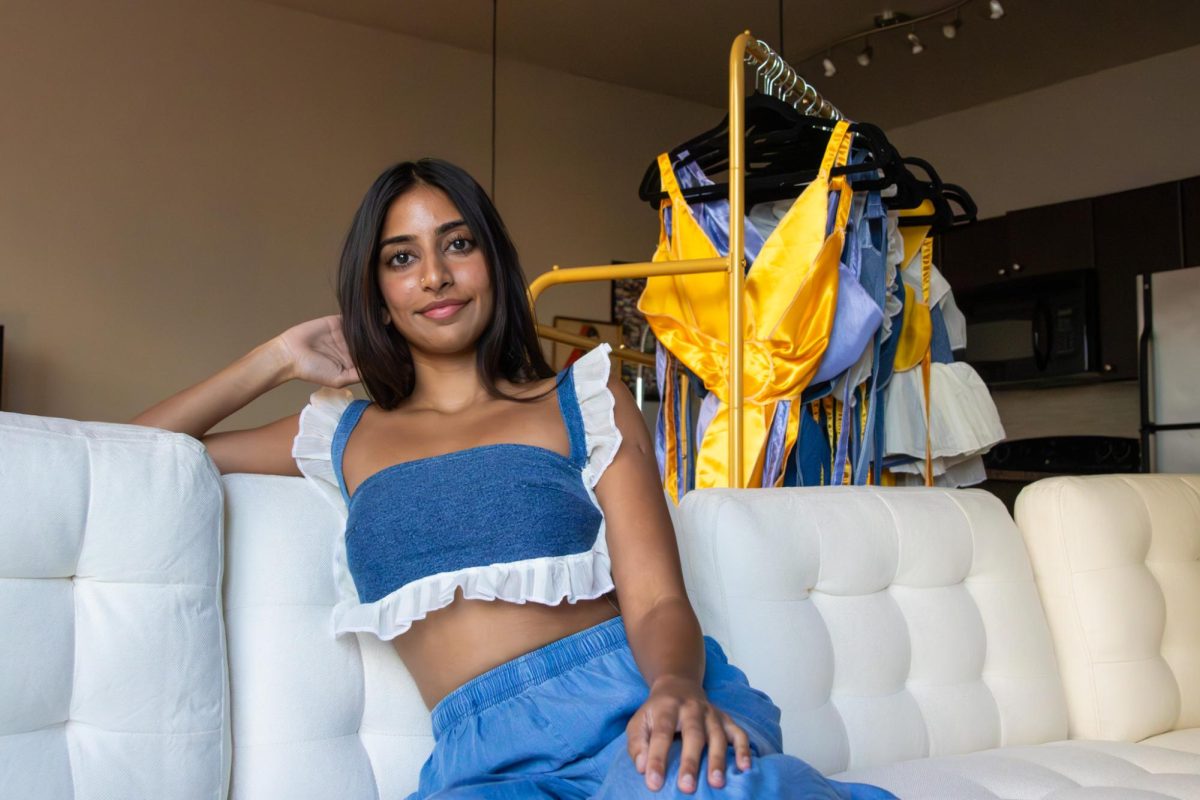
(776,78)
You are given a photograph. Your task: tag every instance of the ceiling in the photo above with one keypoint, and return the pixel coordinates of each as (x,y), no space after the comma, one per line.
(681,47)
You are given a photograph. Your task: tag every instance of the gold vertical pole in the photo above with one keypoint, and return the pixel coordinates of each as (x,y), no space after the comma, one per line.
(737,269)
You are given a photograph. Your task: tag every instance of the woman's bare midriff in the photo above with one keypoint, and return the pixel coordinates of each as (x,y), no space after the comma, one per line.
(469,637)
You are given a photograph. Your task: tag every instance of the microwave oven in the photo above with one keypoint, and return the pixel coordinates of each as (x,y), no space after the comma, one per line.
(1033,329)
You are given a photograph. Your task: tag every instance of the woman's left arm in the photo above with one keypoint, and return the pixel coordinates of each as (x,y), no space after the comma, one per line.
(662,628)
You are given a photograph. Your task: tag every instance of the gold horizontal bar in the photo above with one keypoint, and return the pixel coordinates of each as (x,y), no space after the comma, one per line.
(624,353)
(644,269)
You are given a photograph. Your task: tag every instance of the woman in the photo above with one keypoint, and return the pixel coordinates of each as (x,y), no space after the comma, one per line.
(477,475)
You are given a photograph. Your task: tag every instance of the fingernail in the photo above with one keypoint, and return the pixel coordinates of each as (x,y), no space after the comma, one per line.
(687,783)
(640,761)
(655,781)
(716,775)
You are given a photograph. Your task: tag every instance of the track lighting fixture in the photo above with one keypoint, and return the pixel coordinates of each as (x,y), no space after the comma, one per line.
(917,47)
(904,24)
(950,29)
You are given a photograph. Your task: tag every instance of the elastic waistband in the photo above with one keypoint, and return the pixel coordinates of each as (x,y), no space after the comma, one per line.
(513,677)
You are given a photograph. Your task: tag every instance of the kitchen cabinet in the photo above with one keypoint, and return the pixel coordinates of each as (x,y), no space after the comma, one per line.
(1136,232)
(1190,200)
(1047,239)
(1032,241)
(974,255)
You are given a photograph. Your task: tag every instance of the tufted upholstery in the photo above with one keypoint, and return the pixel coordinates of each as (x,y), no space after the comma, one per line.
(313,716)
(1117,559)
(887,624)
(112,677)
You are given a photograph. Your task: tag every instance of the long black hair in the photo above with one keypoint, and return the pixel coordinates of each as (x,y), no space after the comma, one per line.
(508,346)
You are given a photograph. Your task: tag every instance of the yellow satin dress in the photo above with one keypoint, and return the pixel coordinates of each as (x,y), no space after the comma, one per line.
(790,300)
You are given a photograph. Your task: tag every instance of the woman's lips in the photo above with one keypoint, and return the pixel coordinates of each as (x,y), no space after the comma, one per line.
(442,312)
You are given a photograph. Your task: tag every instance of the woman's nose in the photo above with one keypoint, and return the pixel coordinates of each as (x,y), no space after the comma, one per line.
(437,274)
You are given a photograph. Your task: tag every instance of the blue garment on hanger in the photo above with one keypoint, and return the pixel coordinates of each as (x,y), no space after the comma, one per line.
(939,342)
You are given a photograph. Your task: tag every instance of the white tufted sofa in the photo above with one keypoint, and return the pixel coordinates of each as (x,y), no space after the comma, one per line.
(900,631)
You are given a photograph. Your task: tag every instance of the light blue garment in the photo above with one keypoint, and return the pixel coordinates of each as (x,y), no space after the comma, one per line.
(551,724)
(713,215)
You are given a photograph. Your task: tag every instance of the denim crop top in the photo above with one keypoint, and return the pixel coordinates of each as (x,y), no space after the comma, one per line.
(512,522)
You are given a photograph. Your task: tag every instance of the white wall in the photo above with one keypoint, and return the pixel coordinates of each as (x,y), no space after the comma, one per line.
(178,177)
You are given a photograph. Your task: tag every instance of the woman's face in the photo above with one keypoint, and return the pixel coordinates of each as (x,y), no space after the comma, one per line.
(434,278)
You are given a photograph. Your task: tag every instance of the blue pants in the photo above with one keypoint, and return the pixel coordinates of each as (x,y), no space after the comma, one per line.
(551,724)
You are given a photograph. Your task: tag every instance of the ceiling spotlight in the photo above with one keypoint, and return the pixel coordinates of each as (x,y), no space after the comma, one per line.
(830,69)
(917,47)
(950,29)
(864,58)
(995,10)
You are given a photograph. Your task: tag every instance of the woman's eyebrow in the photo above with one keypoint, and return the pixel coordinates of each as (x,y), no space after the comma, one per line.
(407,237)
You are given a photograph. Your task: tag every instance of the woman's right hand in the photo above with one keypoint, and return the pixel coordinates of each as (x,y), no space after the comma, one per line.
(318,352)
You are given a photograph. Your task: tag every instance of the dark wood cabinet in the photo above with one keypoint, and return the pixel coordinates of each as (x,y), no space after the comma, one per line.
(975,255)
(1033,241)
(1136,232)
(1190,200)
(1054,238)
(1120,235)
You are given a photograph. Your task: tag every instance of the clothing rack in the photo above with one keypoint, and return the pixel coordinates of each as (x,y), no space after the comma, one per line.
(778,79)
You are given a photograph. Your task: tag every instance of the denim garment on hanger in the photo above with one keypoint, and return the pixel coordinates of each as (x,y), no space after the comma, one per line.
(857,316)
(874,279)
(939,340)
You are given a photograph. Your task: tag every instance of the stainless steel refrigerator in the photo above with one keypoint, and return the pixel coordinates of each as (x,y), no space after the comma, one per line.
(1170,370)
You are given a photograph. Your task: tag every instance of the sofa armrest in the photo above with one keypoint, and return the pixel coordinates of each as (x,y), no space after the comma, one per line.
(1117,561)
(112,659)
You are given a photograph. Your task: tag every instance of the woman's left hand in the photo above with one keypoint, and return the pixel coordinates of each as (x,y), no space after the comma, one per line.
(680,705)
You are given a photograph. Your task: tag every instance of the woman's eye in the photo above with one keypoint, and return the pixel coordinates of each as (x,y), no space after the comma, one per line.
(461,244)
(400,259)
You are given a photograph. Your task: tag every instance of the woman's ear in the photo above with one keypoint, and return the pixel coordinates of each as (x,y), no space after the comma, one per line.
(386,319)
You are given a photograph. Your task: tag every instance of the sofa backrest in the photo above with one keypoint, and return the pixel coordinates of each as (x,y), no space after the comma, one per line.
(314,716)
(887,624)
(112,651)
(1117,560)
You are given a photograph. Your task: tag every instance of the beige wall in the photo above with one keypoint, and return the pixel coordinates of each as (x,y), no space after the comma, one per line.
(1120,128)
(177,178)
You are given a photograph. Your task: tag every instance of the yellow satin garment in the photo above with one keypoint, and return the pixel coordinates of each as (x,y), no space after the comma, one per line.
(916,331)
(790,295)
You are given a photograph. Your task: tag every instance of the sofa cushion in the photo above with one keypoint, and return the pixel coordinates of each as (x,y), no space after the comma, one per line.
(314,716)
(1117,560)
(1072,770)
(113,680)
(887,624)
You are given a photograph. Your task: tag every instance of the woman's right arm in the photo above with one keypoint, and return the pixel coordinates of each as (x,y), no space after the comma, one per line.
(314,351)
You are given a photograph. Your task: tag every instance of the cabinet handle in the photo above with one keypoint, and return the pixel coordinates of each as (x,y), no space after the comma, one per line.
(1108,367)
(1016,267)
(1001,271)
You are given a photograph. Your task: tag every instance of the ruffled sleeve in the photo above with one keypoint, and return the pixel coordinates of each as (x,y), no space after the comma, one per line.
(313,446)
(596,405)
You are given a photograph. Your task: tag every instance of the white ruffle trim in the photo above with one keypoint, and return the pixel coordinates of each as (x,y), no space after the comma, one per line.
(548,580)
(597,405)
(313,446)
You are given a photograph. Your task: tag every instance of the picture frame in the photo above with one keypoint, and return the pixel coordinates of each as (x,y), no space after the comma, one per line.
(625,294)
(563,355)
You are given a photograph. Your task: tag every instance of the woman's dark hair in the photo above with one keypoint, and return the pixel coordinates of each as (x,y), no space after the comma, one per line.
(508,346)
